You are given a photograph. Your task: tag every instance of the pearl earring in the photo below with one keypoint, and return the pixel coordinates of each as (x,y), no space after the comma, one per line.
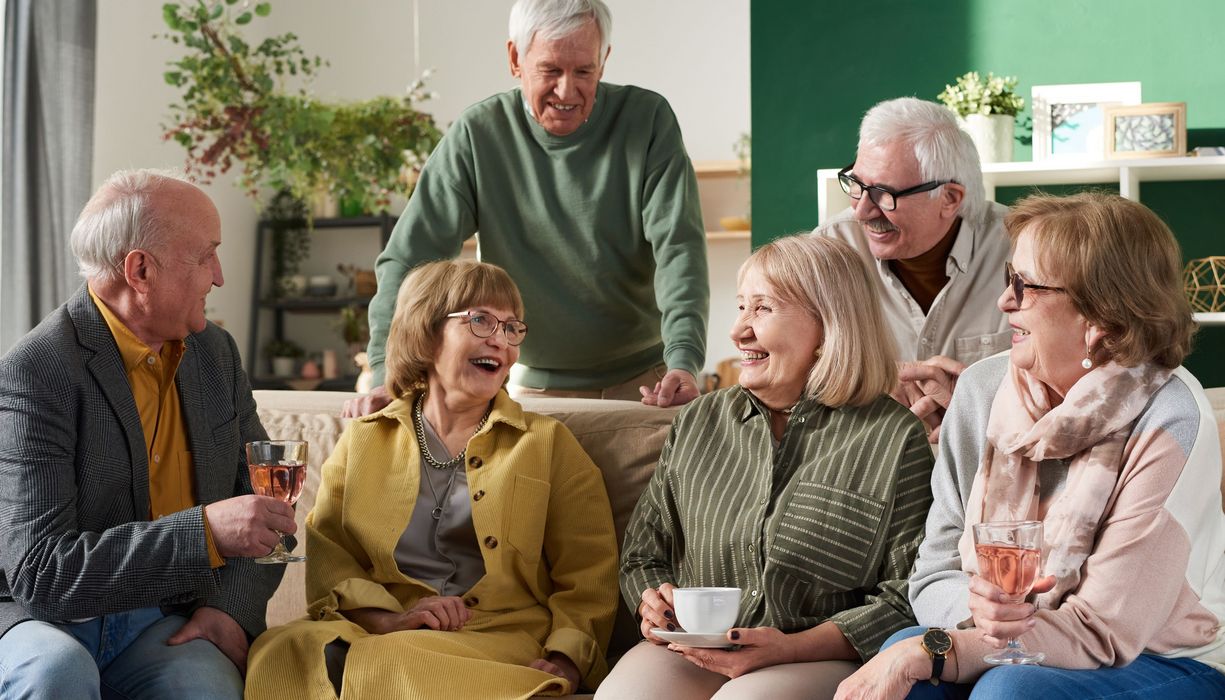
(1086,363)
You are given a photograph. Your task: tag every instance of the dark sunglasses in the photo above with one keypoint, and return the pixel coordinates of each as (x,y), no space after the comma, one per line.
(1012,279)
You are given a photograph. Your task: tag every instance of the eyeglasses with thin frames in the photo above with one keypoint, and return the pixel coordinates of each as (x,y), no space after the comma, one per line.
(1012,279)
(484,324)
(883,197)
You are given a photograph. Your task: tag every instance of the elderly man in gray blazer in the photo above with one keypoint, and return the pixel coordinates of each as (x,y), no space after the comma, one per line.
(126,512)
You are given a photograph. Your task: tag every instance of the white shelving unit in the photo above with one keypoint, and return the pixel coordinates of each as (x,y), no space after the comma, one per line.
(1127,173)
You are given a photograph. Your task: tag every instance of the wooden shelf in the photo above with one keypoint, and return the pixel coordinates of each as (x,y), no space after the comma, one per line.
(716,168)
(715,236)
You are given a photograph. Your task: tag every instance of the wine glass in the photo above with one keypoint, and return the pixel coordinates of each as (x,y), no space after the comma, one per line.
(1009,554)
(278,469)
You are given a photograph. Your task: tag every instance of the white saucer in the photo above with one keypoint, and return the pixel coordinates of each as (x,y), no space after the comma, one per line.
(693,639)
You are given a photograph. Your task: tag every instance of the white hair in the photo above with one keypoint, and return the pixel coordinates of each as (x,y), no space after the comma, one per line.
(118,220)
(554,19)
(943,150)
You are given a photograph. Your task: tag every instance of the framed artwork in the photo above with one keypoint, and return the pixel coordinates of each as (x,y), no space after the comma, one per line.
(1149,130)
(1070,120)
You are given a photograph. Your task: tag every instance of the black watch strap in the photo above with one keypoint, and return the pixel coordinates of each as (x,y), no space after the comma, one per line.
(937,644)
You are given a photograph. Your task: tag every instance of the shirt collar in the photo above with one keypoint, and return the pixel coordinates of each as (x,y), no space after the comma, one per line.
(962,253)
(132,350)
(505,410)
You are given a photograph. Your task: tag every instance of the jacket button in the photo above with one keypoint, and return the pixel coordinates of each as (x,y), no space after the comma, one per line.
(475,462)
(472,601)
(491,542)
(478,495)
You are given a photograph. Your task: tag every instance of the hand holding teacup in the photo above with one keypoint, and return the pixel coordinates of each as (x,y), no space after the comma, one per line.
(656,610)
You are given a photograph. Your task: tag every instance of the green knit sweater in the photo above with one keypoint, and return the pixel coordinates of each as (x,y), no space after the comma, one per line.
(601,230)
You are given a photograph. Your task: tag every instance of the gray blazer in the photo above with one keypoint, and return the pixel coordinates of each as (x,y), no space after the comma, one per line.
(75,536)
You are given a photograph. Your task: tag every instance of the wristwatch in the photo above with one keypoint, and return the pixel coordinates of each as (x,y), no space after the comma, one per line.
(937,644)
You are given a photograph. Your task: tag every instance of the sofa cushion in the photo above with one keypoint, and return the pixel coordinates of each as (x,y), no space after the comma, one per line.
(623,438)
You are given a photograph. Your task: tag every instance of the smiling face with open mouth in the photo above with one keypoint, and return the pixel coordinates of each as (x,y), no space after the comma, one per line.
(466,365)
(777,340)
(559,77)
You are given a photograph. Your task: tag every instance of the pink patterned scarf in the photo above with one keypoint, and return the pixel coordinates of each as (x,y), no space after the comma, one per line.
(1091,428)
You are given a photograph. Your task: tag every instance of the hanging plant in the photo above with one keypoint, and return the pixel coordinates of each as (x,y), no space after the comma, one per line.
(237,107)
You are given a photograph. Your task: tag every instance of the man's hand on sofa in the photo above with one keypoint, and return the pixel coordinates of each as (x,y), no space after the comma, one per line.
(220,629)
(759,647)
(366,404)
(247,526)
(655,609)
(559,665)
(677,388)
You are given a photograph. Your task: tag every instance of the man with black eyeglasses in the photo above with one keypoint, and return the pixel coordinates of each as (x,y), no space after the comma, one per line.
(920,218)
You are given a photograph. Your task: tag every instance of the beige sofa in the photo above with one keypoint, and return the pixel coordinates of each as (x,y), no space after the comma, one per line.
(623,438)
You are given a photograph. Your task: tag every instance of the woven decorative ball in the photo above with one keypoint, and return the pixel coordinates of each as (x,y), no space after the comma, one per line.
(1204,281)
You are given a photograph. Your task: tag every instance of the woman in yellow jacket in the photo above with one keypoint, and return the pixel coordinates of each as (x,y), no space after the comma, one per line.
(459,547)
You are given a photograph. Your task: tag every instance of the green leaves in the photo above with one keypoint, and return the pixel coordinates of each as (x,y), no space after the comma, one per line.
(249,105)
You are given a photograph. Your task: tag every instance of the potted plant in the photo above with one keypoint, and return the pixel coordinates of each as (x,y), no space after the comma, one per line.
(248,105)
(987,110)
(354,328)
(283,354)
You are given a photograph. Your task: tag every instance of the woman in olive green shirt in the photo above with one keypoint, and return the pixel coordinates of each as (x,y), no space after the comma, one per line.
(806,486)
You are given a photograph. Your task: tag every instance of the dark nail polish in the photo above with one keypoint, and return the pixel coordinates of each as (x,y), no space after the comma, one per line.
(668,614)
(671,627)
(735,634)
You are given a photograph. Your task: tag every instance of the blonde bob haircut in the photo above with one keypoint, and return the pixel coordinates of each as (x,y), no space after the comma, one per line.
(430,292)
(1121,268)
(857,361)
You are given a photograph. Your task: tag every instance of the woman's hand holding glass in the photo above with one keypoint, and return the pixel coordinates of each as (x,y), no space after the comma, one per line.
(998,619)
(656,610)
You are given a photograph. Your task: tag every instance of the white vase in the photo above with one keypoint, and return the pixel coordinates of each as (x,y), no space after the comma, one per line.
(283,366)
(992,136)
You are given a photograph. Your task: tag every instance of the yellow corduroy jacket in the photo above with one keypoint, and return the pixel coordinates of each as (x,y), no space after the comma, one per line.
(540,511)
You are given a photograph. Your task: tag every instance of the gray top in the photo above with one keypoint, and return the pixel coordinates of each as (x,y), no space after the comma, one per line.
(963,322)
(441,553)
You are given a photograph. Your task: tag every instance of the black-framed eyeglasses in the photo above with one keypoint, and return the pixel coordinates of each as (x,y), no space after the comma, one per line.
(883,197)
(1012,279)
(484,324)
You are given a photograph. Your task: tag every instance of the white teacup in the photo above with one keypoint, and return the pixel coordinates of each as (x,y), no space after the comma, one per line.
(706,610)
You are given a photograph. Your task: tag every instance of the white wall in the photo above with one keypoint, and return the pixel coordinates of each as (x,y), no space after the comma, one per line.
(695,52)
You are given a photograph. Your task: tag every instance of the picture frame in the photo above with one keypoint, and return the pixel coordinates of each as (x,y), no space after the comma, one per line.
(1152,130)
(1070,120)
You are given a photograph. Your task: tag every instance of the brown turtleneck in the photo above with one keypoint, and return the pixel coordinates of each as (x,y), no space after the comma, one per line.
(924,275)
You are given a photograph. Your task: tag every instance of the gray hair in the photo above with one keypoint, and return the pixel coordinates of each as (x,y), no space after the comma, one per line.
(554,19)
(943,150)
(118,220)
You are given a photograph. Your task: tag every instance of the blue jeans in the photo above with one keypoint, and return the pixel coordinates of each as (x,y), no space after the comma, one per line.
(1147,677)
(124,655)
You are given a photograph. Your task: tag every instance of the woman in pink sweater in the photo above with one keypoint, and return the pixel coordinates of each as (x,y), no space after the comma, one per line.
(1089,425)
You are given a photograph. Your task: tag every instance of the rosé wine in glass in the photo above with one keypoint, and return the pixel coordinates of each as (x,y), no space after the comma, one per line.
(278,470)
(1009,556)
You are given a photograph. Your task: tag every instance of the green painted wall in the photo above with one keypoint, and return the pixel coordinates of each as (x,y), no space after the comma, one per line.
(817,65)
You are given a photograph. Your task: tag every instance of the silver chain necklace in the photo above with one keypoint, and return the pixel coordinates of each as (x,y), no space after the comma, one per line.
(419,419)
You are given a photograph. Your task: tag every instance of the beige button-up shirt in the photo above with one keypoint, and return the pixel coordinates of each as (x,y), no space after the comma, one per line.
(964,323)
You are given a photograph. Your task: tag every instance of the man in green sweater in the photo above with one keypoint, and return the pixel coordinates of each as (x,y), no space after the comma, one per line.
(584,193)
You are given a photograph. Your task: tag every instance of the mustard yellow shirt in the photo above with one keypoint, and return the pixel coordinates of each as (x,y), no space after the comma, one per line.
(151,377)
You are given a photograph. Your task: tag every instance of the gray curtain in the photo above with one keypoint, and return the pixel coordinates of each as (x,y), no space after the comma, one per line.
(47,158)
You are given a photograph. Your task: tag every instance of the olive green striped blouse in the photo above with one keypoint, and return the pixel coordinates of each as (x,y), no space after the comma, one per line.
(823,526)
